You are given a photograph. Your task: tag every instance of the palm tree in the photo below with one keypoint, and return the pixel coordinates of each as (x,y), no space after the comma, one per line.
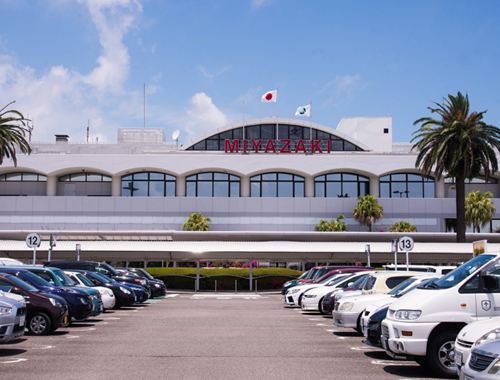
(368,211)
(333,226)
(196,222)
(402,226)
(479,209)
(12,131)
(459,144)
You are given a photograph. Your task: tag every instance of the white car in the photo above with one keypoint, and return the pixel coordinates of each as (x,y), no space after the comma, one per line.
(386,299)
(293,296)
(313,298)
(107,295)
(348,311)
(473,335)
(483,363)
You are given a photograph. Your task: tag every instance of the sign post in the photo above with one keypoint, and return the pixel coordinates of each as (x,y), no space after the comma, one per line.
(78,251)
(394,248)
(33,241)
(406,244)
(53,239)
(367,253)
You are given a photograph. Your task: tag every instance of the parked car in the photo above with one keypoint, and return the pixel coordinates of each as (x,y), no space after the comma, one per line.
(473,335)
(79,302)
(313,298)
(102,268)
(348,311)
(483,363)
(12,319)
(107,295)
(373,328)
(439,270)
(287,285)
(10,261)
(330,299)
(45,312)
(432,316)
(158,288)
(124,295)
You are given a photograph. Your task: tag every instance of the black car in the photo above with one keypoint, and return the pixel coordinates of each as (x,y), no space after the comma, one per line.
(45,312)
(374,327)
(102,268)
(158,288)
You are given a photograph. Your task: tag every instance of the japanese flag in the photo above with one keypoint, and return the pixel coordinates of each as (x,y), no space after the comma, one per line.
(270,96)
(303,111)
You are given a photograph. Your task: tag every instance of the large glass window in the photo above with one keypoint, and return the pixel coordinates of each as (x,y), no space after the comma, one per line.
(218,185)
(272,185)
(406,185)
(148,184)
(23,177)
(341,185)
(85,177)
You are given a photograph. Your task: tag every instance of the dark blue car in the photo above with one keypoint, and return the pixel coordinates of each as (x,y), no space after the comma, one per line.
(79,302)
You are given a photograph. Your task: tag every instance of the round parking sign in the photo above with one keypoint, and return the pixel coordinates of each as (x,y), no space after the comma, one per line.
(33,240)
(405,244)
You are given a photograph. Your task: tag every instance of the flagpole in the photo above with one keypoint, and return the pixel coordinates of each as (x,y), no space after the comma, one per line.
(277,113)
(243,120)
(310,117)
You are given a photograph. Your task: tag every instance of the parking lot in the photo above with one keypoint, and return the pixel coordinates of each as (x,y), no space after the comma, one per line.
(203,336)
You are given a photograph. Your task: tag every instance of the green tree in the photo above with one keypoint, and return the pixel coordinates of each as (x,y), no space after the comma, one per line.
(460,144)
(368,211)
(334,226)
(479,209)
(196,222)
(403,226)
(13,128)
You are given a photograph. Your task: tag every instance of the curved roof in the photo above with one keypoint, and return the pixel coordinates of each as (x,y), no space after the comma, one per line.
(272,120)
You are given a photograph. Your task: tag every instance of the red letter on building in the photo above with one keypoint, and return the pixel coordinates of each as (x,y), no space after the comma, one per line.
(231,148)
(300,146)
(315,146)
(256,146)
(270,146)
(284,149)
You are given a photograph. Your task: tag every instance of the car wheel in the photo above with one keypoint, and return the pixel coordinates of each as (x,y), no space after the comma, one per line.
(300,299)
(320,308)
(441,354)
(358,325)
(39,324)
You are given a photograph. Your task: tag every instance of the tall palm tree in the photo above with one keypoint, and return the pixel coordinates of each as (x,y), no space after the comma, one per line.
(403,226)
(459,144)
(13,128)
(368,211)
(479,209)
(196,222)
(333,226)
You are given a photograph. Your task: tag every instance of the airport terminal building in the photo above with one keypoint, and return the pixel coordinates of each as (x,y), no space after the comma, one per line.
(266,175)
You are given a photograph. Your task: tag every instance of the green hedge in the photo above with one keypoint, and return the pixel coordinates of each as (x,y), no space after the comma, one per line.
(221,271)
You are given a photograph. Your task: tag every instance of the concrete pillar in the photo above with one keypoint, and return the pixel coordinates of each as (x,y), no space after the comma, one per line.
(180,186)
(245,186)
(440,188)
(309,186)
(116,186)
(375,187)
(51,185)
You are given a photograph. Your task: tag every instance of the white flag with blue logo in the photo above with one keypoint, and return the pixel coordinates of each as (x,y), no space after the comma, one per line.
(303,111)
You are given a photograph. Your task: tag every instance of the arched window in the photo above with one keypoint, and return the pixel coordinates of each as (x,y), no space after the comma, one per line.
(341,185)
(213,184)
(85,177)
(406,185)
(23,183)
(148,184)
(271,185)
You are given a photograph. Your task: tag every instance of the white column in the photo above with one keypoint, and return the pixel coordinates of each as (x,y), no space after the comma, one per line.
(440,188)
(180,186)
(375,187)
(116,186)
(245,186)
(51,185)
(309,187)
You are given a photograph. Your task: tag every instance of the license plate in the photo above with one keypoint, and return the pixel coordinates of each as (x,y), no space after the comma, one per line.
(21,321)
(458,358)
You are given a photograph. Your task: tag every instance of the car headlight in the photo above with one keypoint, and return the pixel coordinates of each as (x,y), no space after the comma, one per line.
(495,367)
(287,283)
(346,306)
(491,335)
(55,302)
(408,315)
(83,300)
(125,290)
(309,295)
(5,310)
(157,285)
(292,291)
(144,282)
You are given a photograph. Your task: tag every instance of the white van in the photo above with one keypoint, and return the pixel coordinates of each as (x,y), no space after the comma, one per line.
(438,269)
(423,324)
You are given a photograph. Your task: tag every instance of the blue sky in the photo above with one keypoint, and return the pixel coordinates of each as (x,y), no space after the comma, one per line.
(69,63)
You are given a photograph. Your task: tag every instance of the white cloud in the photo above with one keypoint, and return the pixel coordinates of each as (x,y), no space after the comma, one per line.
(210,76)
(203,116)
(341,90)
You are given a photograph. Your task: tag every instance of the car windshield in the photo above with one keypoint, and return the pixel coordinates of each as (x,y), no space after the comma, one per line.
(102,277)
(61,276)
(36,279)
(358,283)
(461,273)
(24,284)
(339,278)
(304,275)
(405,284)
(84,279)
(415,285)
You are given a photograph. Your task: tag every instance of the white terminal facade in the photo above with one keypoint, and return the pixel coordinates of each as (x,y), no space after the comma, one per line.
(263,175)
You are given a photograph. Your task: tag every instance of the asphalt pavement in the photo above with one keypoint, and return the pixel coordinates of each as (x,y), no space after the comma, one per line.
(203,336)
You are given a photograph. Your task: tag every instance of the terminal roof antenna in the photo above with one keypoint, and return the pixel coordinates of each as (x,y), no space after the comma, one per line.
(175,136)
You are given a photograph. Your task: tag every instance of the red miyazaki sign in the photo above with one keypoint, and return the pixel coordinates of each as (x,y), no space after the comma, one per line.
(277,146)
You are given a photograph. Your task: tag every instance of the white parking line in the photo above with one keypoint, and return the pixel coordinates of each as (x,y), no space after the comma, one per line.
(363,348)
(392,362)
(14,361)
(41,347)
(72,336)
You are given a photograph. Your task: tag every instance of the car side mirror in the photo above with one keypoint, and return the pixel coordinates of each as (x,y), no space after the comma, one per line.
(490,282)
(16,290)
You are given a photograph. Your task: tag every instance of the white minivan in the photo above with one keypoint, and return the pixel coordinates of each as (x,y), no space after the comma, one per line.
(423,324)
